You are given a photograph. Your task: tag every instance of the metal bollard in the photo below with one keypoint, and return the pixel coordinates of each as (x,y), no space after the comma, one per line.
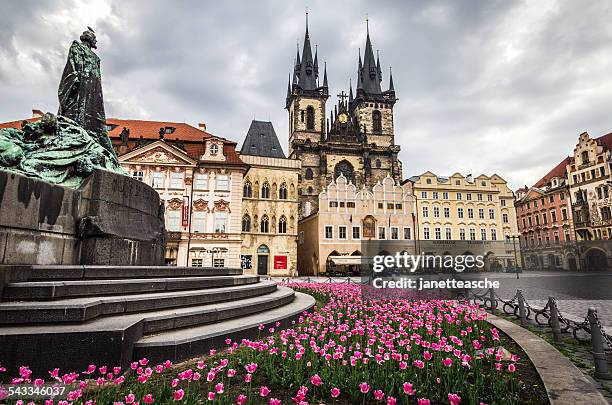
(492,298)
(599,355)
(521,302)
(554,319)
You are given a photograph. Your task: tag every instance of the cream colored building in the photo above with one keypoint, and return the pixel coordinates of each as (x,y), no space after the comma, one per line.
(330,240)
(475,212)
(269,204)
(199,178)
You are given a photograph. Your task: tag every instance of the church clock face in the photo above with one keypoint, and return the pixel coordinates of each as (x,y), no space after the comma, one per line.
(343,118)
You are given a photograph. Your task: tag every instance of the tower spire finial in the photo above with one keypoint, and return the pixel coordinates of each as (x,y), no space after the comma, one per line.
(367,25)
(306,20)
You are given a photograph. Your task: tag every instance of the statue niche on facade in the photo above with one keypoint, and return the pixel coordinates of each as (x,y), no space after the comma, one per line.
(66,148)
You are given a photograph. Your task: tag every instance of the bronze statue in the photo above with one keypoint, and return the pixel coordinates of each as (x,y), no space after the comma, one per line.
(67,148)
(80,89)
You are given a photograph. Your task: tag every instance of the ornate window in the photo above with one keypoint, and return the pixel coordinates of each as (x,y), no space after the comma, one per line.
(310,118)
(282,224)
(308,174)
(369,227)
(376,121)
(214,149)
(344,168)
(265,190)
(265,224)
(282,192)
(246,223)
(247,190)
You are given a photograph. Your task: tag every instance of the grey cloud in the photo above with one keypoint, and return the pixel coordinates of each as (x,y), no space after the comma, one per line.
(484,86)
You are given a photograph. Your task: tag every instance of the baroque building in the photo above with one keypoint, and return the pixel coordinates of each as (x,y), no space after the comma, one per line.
(198,176)
(269,204)
(356,140)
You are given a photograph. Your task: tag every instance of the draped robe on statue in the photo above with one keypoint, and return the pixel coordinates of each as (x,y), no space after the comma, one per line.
(80,92)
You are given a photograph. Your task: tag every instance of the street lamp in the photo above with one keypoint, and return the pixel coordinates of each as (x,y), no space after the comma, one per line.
(514,237)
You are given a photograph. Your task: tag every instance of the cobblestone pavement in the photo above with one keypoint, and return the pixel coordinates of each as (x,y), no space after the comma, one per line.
(575,292)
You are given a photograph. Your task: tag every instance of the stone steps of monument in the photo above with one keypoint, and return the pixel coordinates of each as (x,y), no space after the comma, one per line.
(186,343)
(50,290)
(87,308)
(77,272)
(110,339)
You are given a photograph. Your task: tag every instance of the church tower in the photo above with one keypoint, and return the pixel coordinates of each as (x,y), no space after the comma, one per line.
(305,103)
(305,98)
(357,141)
(373,108)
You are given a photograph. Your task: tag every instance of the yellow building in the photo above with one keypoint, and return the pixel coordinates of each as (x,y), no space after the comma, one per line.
(331,240)
(269,204)
(479,211)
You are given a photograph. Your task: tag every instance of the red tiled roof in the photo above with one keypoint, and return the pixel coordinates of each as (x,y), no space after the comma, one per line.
(606,140)
(191,137)
(557,171)
(150,129)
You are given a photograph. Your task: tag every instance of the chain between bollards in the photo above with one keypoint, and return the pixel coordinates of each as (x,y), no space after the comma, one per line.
(599,355)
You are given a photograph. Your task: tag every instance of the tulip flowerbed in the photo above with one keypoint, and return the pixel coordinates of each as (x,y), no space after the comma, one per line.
(350,350)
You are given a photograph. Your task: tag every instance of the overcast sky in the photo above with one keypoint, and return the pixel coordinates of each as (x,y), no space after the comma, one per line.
(484,87)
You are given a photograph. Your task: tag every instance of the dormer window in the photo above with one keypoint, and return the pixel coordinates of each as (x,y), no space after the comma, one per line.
(169,130)
(214,149)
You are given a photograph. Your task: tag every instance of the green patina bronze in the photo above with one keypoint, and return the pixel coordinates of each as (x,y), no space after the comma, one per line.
(66,148)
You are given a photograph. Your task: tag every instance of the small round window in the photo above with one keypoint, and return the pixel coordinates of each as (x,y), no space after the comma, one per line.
(214,149)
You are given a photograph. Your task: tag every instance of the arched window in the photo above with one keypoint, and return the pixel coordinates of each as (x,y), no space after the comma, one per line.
(282,192)
(265,225)
(308,174)
(282,224)
(247,190)
(310,118)
(310,190)
(265,190)
(346,169)
(378,163)
(302,115)
(246,223)
(376,121)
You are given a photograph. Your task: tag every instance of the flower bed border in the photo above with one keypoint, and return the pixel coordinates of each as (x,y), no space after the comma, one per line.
(564,382)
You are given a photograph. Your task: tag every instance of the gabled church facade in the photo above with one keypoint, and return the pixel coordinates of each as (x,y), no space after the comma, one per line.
(356,140)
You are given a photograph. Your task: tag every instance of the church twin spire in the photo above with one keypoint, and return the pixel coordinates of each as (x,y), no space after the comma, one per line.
(306,73)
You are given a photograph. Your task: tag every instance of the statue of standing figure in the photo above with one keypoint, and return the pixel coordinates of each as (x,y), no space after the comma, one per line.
(80,89)
(67,148)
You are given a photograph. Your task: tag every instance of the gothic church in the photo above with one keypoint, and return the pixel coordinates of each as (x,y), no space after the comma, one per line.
(356,140)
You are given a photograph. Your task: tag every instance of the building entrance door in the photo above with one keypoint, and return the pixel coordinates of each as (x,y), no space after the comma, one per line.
(262,265)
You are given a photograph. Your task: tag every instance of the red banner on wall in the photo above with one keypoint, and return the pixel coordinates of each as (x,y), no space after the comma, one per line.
(280,262)
(185,212)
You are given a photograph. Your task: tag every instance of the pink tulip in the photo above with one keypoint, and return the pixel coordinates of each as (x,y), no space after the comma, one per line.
(364,388)
(241,399)
(148,399)
(315,380)
(379,395)
(178,395)
(219,388)
(454,399)
(511,367)
(391,401)
(211,396)
(264,391)
(408,389)
(447,362)
(335,392)
(274,401)
(423,401)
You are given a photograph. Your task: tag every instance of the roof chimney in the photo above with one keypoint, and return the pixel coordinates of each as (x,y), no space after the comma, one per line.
(37,113)
(202,125)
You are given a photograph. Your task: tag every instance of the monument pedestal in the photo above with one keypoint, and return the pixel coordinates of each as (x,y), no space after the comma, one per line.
(112,219)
